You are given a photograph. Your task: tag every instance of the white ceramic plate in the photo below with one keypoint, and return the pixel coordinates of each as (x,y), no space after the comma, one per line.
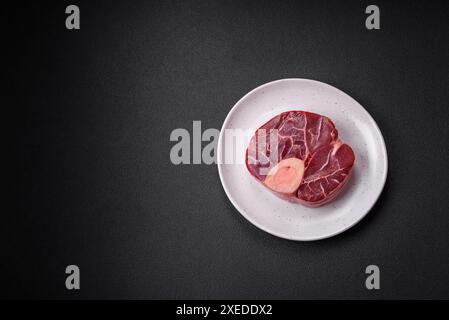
(355,126)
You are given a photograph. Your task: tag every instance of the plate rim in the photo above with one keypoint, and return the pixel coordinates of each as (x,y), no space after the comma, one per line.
(262,227)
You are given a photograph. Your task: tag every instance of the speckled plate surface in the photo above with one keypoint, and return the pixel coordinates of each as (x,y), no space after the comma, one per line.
(355,126)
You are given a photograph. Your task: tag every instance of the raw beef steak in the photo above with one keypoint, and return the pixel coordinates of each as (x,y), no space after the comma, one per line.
(299,156)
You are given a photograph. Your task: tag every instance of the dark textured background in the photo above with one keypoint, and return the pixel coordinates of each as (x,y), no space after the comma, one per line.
(94,186)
